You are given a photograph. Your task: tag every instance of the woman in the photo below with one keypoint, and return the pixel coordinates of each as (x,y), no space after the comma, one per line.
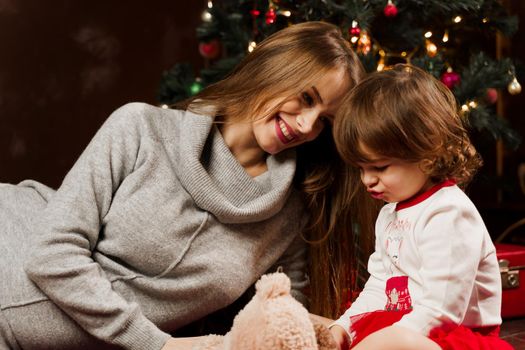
(169,215)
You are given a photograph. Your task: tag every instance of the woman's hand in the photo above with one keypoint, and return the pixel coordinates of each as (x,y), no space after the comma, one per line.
(341,337)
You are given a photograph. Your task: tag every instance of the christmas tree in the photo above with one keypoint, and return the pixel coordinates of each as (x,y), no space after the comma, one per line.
(450,39)
(453,40)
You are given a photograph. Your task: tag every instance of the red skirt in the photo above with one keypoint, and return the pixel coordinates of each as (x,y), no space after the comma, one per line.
(448,337)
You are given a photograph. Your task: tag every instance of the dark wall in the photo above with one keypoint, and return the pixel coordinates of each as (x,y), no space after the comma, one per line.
(65,65)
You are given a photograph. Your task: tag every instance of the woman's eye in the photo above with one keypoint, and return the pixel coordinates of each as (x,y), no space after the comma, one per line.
(307,99)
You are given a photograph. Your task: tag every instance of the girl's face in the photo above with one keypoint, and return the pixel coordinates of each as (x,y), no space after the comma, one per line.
(392,179)
(302,118)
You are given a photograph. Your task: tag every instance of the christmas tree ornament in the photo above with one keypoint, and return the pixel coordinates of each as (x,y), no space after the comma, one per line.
(390,9)
(364,44)
(196,87)
(491,96)
(514,87)
(271,15)
(255,13)
(354,29)
(450,78)
(210,49)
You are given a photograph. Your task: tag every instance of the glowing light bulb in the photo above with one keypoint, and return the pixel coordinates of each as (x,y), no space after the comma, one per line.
(445,37)
(251,46)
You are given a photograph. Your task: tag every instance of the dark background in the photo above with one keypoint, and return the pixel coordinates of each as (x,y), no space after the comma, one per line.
(65,65)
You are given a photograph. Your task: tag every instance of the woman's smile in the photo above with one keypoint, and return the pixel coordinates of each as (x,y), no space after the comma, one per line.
(284,131)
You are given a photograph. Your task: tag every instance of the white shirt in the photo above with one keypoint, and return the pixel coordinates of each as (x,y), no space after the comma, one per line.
(433,254)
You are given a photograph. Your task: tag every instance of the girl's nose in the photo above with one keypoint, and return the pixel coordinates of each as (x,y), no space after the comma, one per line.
(369,179)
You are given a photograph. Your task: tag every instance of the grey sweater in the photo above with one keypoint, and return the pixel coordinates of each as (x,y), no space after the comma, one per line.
(155,226)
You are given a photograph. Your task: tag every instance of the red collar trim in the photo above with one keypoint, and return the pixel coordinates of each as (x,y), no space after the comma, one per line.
(421,197)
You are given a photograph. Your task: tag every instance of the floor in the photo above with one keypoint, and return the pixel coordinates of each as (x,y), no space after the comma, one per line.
(513,331)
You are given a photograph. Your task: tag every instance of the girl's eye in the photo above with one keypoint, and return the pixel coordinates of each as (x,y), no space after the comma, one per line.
(307,99)
(381,168)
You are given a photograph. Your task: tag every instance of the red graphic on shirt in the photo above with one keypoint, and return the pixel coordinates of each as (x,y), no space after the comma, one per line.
(398,294)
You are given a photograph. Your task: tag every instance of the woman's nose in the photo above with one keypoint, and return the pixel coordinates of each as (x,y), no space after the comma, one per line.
(308,122)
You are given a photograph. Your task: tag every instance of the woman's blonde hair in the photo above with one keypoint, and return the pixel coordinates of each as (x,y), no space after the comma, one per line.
(406,113)
(285,64)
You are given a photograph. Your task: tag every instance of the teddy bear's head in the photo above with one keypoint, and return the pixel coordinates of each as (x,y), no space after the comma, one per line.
(273,319)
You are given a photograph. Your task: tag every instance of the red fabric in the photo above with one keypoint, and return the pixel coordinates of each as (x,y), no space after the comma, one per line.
(448,337)
(464,338)
(370,322)
(407,203)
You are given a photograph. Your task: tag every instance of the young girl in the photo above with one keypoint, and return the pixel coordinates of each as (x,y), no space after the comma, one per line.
(434,277)
(170,215)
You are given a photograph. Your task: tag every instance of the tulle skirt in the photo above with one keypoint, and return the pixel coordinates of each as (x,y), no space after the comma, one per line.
(448,337)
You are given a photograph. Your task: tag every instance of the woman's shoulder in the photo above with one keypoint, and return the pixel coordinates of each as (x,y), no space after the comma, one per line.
(151,120)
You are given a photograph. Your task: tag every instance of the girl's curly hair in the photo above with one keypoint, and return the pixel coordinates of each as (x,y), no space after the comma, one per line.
(406,113)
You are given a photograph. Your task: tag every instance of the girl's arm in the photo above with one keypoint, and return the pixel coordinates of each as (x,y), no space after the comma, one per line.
(371,298)
(62,264)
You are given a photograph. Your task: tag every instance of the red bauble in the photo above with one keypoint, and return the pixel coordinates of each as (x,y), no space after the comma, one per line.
(255,13)
(491,96)
(355,31)
(270,16)
(210,49)
(450,79)
(390,10)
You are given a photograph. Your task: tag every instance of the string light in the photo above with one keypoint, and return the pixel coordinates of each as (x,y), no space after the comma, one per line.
(210,4)
(485,20)
(431,48)
(206,16)
(457,19)
(381,64)
(164,106)
(445,37)
(428,34)
(285,13)
(251,46)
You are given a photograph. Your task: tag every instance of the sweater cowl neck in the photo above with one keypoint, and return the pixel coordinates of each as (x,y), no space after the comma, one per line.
(218,183)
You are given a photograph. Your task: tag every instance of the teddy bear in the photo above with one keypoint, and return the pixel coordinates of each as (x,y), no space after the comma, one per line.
(272,319)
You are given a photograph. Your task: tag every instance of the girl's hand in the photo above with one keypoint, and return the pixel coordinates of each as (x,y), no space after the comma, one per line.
(341,337)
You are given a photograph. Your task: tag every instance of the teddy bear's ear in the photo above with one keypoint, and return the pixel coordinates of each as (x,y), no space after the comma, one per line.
(273,285)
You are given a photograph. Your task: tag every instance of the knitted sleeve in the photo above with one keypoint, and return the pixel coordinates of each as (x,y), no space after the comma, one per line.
(61,263)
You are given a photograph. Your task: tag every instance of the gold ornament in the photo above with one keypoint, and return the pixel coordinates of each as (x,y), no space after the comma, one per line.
(514,87)
(364,44)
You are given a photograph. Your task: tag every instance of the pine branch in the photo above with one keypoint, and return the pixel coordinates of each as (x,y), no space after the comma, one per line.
(481,74)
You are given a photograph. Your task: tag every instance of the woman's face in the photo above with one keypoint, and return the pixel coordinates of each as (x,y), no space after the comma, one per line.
(301,118)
